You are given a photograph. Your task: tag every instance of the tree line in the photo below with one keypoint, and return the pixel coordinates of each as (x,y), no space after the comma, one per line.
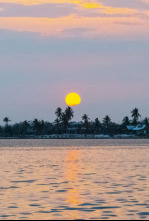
(63,123)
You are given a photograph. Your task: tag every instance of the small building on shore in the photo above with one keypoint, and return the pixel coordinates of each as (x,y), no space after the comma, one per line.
(76,128)
(139,129)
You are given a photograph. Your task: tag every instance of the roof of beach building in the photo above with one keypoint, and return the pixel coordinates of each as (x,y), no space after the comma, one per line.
(136,128)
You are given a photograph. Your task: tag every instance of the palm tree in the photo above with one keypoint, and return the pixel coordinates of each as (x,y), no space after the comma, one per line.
(6,120)
(106,121)
(38,126)
(97,125)
(58,112)
(126,121)
(146,121)
(25,126)
(57,124)
(134,122)
(42,126)
(135,115)
(86,119)
(64,121)
(69,113)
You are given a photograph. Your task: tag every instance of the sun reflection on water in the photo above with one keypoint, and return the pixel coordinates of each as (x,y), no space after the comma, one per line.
(103,182)
(72,171)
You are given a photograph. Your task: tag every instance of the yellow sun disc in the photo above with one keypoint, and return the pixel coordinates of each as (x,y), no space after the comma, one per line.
(73,99)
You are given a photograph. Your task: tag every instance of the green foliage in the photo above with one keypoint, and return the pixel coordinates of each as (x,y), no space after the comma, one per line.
(146,122)
(106,121)
(69,113)
(63,124)
(135,115)
(58,113)
(86,123)
(6,120)
(63,119)
(97,125)
(125,121)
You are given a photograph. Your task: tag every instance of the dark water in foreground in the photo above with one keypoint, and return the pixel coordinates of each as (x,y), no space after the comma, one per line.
(74,179)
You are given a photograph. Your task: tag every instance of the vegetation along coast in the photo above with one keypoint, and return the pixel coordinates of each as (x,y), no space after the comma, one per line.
(65,128)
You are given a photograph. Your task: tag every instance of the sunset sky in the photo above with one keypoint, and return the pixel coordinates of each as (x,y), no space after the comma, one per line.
(97,48)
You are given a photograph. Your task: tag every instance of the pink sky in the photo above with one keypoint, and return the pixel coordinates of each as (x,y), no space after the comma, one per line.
(49,48)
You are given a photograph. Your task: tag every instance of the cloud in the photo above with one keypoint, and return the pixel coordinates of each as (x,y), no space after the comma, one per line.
(128,23)
(49,9)
(34,2)
(102,26)
(62,18)
(37,11)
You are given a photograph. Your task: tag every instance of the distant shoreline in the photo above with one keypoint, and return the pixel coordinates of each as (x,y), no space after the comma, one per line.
(73,138)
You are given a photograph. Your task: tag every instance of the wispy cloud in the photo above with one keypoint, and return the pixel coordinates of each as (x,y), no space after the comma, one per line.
(37,11)
(53,17)
(101,26)
(16,8)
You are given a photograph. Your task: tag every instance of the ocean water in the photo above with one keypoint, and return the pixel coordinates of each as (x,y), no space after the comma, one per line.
(74,179)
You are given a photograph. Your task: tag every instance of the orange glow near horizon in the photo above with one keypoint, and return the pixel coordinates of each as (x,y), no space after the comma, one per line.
(73,99)
(59,27)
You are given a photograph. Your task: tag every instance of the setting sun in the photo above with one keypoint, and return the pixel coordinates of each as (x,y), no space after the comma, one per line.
(73,99)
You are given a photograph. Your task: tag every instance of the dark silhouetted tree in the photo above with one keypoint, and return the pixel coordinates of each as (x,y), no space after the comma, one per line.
(6,120)
(25,126)
(57,124)
(125,121)
(69,113)
(146,121)
(64,122)
(135,115)
(38,126)
(85,120)
(58,112)
(106,121)
(97,125)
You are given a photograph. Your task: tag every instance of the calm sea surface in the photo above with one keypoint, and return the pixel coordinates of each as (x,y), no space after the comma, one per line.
(74,179)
